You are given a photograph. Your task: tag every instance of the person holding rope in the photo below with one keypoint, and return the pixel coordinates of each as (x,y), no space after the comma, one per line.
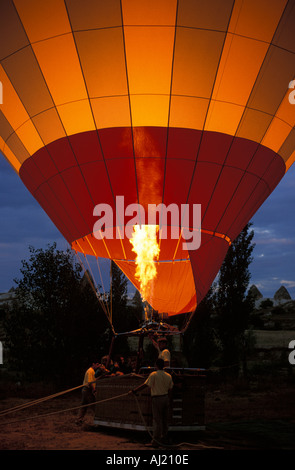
(88,390)
(160,384)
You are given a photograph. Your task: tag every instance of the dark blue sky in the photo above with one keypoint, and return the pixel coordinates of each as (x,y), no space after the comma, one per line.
(24,223)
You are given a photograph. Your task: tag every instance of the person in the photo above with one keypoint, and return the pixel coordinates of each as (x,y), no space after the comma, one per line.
(107,362)
(88,390)
(163,351)
(123,367)
(101,370)
(131,363)
(116,369)
(160,384)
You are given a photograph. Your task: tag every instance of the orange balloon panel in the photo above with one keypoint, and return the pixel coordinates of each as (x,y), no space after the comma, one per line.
(180,296)
(174,102)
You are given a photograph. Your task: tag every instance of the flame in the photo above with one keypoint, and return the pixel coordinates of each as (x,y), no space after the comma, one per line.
(145,245)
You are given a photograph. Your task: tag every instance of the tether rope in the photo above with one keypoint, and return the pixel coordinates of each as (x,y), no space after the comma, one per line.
(36,402)
(44,415)
(168,446)
(68,409)
(41,400)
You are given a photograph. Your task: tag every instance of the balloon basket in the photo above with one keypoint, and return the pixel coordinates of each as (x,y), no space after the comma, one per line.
(187,401)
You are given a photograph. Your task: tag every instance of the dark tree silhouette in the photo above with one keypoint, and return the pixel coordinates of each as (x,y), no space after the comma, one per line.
(55,325)
(124,315)
(232,304)
(199,340)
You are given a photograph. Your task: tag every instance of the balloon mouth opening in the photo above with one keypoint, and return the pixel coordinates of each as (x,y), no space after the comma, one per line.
(184,287)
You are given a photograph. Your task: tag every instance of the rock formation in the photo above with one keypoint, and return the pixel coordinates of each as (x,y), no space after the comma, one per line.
(282,294)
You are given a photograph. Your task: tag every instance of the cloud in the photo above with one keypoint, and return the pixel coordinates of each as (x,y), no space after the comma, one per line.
(274,241)
(274,229)
(288,284)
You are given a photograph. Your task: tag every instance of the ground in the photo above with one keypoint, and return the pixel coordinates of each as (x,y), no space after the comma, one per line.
(238,416)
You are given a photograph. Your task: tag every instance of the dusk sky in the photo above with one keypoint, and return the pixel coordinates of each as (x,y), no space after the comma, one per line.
(24,223)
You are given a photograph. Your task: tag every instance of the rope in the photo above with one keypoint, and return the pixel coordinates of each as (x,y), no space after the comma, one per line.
(91,282)
(68,409)
(35,402)
(169,446)
(104,306)
(44,415)
(104,292)
(96,285)
(41,400)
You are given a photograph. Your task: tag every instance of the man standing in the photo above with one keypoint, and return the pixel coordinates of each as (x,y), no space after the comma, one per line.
(160,383)
(88,390)
(161,346)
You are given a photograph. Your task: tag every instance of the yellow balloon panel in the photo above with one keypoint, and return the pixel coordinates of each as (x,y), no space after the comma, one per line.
(31,76)
(145,15)
(61,70)
(256,19)
(89,15)
(76,117)
(112,111)
(235,77)
(70,66)
(49,125)
(196,58)
(101,53)
(43,20)
(149,110)
(149,53)
(188,112)
(214,15)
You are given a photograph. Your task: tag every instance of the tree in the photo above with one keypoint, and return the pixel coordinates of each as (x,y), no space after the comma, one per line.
(119,296)
(56,324)
(124,317)
(199,342)
(233,305)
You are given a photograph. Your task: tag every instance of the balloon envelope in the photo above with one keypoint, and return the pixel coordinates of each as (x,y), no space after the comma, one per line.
(173,102)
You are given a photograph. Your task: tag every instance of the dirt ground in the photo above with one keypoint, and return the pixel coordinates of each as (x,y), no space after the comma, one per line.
(237,417)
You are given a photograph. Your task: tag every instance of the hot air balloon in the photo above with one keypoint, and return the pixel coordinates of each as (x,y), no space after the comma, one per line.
(172,102)
(159,102)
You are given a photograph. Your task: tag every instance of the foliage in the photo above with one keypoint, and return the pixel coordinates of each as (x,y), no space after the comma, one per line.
(199,340)
(54,328)
(267,303)
(124,317)
(216,334)
(232,304)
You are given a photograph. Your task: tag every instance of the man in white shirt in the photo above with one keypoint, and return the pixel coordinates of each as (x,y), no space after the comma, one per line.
(160,383)
(161,346)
